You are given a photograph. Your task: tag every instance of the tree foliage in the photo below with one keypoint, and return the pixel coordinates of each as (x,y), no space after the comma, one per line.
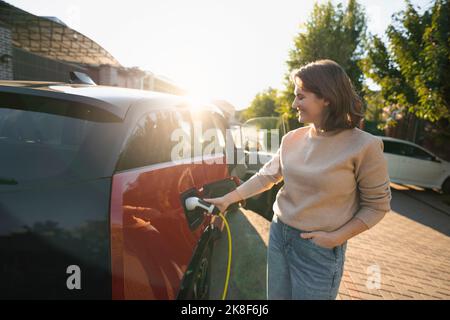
(413,69)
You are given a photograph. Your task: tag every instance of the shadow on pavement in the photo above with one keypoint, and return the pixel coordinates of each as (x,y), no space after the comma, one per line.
(248,267)
(424,207)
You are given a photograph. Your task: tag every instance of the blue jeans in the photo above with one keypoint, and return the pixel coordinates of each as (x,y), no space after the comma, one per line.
(298,268)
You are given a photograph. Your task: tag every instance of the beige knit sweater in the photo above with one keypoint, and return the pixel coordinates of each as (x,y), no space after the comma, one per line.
(329,178)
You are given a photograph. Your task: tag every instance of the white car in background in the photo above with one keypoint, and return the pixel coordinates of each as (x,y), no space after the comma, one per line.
(409,163)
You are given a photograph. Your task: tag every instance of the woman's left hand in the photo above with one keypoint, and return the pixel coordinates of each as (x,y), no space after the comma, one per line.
(323,239)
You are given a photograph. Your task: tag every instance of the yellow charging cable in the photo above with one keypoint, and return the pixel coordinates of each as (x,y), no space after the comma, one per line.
(225,289)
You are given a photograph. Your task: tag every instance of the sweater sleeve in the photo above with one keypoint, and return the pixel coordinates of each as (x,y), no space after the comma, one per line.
(373,184)
(269,175)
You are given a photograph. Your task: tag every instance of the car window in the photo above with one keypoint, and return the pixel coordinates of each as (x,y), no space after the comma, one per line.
(37,145)
(418,153)
(221,127)
(258,133)
(397,148)
(154,139)
(212,137)
(180,135)
(406,150)
(236,135)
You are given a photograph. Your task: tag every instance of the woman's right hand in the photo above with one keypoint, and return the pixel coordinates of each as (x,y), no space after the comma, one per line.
(221,202)
(225,201)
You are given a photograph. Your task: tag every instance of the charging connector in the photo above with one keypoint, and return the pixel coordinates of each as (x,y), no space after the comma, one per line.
(195,202)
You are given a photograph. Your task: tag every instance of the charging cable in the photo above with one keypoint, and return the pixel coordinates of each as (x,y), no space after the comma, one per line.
(194,202)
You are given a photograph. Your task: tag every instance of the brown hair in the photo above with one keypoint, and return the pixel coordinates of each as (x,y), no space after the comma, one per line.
(328,80)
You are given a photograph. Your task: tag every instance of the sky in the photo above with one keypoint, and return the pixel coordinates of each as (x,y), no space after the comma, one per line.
(220,49)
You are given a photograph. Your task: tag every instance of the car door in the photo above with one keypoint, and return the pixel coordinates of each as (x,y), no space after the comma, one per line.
(395,155)
(422,167)
(152,243)
(212,152)
(211,142)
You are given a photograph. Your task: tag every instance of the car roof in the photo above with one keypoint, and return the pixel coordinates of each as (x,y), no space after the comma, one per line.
(113,99)
(397,140)
(406,142)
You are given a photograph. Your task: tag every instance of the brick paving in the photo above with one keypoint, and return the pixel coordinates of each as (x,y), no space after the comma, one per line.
(413,259)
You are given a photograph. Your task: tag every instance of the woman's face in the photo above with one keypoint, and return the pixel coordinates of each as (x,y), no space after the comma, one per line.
(309,107)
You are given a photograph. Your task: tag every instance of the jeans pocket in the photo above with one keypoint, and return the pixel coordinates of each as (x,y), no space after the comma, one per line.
(318,246)
(331,252)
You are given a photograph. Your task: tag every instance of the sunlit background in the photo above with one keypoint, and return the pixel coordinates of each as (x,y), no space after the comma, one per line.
(214,48)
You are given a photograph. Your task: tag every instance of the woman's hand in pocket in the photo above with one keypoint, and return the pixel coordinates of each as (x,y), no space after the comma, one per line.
(323,239)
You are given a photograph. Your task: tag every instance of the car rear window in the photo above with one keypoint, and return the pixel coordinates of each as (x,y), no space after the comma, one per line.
(38,145)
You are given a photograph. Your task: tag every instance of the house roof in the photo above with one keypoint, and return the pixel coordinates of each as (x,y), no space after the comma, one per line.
(51,38)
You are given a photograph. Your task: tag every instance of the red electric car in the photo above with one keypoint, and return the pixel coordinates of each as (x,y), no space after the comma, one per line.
(91,201)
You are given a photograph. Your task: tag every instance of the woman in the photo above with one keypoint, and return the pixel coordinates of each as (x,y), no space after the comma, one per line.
(336,186)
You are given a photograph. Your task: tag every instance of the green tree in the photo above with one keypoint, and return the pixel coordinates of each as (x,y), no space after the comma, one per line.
(265,104)
(332,32)
(374,112)
(413,69)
